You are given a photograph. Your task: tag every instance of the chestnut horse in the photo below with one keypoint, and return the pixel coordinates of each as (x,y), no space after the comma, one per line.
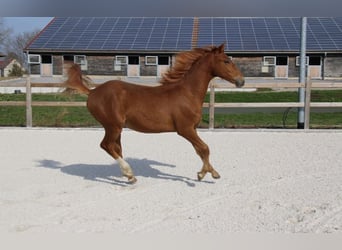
(173,106)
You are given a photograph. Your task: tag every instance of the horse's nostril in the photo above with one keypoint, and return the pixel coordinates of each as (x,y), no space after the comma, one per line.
(240,82)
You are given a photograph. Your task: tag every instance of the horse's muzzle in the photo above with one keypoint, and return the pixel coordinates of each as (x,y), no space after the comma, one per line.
(239,82)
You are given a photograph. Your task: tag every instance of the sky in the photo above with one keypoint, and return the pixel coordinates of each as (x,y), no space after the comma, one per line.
(171,8)
(38,13)
(26,24)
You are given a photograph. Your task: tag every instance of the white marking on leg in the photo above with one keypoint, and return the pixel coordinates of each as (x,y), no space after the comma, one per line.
(126,169)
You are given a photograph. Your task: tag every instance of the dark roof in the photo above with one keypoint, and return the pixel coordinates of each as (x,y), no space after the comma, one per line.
(161,34)
(4,62)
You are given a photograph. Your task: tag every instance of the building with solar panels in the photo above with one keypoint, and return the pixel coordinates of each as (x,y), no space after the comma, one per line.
(146,46)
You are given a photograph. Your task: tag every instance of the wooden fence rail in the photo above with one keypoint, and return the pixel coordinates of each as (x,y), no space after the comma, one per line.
(307,104)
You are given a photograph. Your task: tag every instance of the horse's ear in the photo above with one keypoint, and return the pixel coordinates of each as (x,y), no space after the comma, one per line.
(221,48)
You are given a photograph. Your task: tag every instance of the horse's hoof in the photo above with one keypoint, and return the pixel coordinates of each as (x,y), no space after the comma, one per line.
(215,175)
(200,176)
(132,180)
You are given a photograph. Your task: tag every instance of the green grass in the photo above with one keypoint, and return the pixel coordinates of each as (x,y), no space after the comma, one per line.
(46,116)
(12,116)
(272,120)
(80,117)
(63,117)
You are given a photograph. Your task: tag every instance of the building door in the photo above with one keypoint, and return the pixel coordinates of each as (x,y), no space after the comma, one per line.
(133,67)
(315,67)
(68,60)
(281,67)
(163,65)
(46,65)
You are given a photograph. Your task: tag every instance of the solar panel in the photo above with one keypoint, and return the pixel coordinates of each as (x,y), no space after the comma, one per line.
(205,33)
(218,35)
(262,34)
(234,42)
(324,33)
(277,35)
(176,34)
(185,34)
(251,34)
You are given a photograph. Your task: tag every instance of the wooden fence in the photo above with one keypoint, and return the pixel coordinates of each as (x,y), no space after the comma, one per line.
(307,104)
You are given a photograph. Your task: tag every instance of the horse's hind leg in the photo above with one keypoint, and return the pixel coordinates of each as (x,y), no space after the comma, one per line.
(111,143)
(202,150)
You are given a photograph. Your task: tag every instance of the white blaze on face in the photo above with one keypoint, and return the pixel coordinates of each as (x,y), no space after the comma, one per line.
(125,167)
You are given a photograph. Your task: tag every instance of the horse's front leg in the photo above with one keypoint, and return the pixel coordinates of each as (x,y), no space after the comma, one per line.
(112,144)
(202,150)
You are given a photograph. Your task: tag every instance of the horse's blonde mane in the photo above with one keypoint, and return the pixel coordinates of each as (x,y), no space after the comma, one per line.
(183,64)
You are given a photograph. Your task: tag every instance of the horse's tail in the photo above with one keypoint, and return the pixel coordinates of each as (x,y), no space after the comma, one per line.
(76,80)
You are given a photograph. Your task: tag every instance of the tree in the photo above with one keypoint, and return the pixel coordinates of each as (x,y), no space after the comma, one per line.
(13,45)
(4,34)
(16,44)
(16,71)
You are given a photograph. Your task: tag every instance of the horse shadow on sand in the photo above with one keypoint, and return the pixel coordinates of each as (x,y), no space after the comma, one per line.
(111,173)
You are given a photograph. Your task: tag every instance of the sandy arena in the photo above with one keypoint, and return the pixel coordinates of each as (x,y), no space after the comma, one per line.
(60,180)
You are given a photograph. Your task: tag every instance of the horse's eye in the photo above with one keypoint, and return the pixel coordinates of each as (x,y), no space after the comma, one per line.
(226,61)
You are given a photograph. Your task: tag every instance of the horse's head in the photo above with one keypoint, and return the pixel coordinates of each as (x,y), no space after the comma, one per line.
(224,67)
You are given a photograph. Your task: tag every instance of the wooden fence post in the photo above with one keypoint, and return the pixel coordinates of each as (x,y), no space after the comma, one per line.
(307,103)
(212,106)
(28,103)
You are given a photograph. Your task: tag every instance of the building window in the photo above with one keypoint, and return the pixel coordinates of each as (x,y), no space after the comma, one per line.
(121,60)
(315,60)
(151,60)
(298,61)
(282,60)
(133,60)
(68,58)
(82,61)
(269,60)
(163,60)
(46,59)
(34,59)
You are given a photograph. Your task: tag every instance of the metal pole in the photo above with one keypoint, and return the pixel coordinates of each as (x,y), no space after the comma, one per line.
(212,106)
(28,102)
(302,76)
(28,95)
(307,103)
